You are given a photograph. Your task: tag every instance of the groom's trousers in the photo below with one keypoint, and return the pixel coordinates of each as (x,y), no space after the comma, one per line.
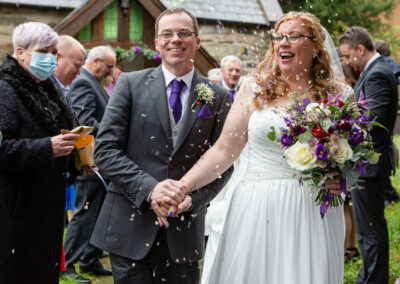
(157,267)
(372,232)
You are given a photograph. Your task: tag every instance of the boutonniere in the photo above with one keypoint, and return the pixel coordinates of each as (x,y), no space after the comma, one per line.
(204,95)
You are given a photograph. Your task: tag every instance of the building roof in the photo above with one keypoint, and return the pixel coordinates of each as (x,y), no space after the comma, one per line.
(259,12)
(69,4)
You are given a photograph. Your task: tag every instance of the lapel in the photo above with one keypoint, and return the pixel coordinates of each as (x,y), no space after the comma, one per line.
(190,115)
(97,85)
(360,82)
(156,88)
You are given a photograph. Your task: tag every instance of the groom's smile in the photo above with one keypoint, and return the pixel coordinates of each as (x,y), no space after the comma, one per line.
(177,42)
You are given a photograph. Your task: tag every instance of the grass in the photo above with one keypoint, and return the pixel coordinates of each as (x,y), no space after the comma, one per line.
(392,213)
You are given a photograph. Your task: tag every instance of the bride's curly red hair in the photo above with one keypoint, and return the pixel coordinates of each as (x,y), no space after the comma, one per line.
(269,75)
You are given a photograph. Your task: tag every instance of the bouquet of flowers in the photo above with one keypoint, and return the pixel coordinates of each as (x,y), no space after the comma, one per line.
(325,139)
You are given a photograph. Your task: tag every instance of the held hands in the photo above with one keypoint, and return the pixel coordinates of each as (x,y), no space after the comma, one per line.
(168,199)
(63,144)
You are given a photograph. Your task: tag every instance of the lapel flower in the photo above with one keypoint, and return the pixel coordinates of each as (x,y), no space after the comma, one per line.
(204,95)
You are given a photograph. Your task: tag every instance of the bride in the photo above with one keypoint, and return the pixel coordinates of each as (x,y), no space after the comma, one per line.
(273,232)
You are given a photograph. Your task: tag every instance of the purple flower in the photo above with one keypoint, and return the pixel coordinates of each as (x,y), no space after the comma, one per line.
(321,152)
(286,140)
(361,102)
(297,130)
(306,101)
(362,170)
(355,135)
(137,49)
(157,57)
(363,120)
(288,122)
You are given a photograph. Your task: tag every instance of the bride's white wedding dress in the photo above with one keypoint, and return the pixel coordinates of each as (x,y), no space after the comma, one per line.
(273,232)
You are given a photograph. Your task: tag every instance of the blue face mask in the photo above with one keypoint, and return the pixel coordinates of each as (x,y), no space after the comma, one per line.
(42,65)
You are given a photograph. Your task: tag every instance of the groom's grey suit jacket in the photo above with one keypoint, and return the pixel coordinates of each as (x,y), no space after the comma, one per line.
(134,148)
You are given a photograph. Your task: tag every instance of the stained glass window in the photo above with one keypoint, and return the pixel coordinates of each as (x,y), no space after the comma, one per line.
(136,21)
(85,33)
(111,21)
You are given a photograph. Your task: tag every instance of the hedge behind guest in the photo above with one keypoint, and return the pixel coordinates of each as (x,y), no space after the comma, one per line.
(34,159)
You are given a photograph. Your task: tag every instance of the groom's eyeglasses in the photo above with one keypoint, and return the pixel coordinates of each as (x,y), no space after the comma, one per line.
(292,38)
(180,34)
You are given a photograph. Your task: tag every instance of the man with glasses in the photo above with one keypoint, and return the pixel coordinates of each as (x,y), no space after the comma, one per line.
(89,100)
(154,129)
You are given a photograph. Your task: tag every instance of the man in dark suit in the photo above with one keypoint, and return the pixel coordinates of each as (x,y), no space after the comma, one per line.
(89,100)
(154,129)
(378,84)
(231,70)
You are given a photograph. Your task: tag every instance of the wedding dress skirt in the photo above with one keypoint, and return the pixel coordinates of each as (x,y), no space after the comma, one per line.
(273,232)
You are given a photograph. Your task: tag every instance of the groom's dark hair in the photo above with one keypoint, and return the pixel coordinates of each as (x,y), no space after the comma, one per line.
(355,36)
(177,11)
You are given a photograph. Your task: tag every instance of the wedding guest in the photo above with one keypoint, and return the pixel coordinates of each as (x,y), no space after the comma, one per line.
(110,80)
(70,58)
(273,231)
(152,130)
(383,48)
(89,101)
(379,85)
(231,70)
(214,75)
(34,159)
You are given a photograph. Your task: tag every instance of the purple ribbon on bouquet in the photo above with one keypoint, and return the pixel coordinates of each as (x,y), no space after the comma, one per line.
(329,197)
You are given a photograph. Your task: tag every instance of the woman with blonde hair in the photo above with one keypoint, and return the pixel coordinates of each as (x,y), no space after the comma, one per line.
(273,232)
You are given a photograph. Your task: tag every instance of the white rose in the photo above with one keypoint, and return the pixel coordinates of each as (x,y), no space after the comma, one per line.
(313,111)
(342,151)
(301,157)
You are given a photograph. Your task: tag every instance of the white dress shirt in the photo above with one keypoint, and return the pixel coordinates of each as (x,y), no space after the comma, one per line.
(187,78)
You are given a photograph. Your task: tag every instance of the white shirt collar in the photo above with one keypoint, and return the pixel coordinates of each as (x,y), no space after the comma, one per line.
(187,78)
(226,87)
(373,58)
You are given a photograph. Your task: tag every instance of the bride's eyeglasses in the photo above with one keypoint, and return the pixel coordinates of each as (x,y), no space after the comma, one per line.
(292,38)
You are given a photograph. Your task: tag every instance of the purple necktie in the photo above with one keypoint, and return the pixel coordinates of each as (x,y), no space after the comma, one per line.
(232,95)
(175,100)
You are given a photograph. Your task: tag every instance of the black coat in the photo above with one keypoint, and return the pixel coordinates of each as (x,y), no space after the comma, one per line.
(379,85)
(32,181)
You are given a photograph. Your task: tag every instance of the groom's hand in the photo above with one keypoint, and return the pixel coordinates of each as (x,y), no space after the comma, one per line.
(168,191)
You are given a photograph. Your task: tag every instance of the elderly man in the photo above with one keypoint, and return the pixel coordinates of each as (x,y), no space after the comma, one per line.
(153,130)
(70,56)
(231,70)
(379,85)
(89,100)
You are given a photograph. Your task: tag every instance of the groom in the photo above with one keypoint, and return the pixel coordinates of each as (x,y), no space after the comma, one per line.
(379,85)
(152,132)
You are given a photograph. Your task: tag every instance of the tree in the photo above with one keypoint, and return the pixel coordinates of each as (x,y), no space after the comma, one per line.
(338,15)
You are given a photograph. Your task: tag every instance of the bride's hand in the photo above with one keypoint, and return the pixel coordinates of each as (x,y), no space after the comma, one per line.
(333,185)
(185,205)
